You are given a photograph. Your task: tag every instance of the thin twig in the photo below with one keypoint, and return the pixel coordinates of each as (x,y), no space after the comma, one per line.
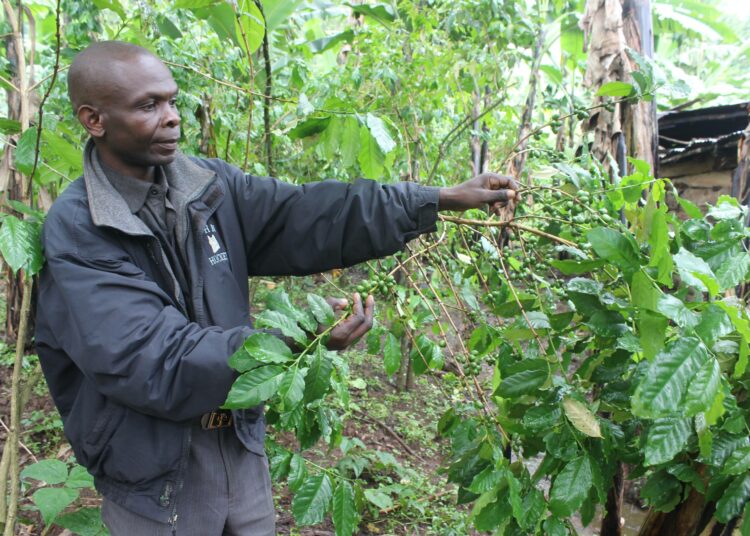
(513,225)
(23,445)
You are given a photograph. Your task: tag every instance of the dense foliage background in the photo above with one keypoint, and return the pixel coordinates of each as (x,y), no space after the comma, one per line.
(519,370)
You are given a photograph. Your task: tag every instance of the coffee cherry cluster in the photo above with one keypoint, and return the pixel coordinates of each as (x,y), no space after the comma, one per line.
(473,365)
(380,284)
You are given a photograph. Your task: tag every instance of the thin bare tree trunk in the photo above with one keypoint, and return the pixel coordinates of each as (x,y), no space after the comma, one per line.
(267,98)
(15,411)
(517,164)
(624,129)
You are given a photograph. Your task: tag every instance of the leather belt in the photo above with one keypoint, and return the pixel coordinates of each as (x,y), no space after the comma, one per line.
(220,418)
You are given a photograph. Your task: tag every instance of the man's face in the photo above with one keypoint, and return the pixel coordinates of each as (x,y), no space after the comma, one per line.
(141,126)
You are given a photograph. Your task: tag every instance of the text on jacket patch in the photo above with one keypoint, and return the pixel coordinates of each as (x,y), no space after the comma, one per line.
(210,231)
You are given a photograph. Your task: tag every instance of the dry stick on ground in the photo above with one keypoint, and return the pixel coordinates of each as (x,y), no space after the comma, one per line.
(390,431)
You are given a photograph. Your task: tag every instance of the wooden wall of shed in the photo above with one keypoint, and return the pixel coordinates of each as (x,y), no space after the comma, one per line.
(702,188)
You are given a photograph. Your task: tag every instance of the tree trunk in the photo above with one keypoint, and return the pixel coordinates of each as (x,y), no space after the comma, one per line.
(621,130)
(610,27)
(518,162)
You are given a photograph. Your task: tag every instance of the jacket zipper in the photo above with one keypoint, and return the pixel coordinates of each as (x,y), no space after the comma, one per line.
(181,480)
(166,272)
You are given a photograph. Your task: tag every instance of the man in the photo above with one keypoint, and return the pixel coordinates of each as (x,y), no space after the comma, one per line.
(144,296)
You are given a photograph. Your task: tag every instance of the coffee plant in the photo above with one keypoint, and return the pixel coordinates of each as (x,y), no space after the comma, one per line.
(606,331)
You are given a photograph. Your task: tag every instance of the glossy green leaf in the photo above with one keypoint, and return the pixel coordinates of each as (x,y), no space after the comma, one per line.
(267,348)
(254,387)
(318,377)
(344,511)
(51,471)
(391,354)
(571,487)
(323,44)
(691,267)
(703,388)
(349,142)
(371,158)
(52,501)
(279,301)
(426,354)
(514,496)
(292,387)
(297,472)
(25,151)
(726,209)
(574,267)
(249,26)
(524,378)
(675,309)
(114,5)
(733,271)
(380,132)
(486,479)
(714,323)
(383,13)
(734,499)
(20,245)
(615,247)
(312,499)
(9,126)
(278,11)
(277,320)
(321,309)
(309,127)
(616,89)
(664,385)
(738,462)
(652,328)
(666,438)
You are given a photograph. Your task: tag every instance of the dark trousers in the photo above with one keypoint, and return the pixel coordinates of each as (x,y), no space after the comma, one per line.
(227,491)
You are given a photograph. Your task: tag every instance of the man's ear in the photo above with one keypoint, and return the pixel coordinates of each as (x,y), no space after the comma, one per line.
(91,120)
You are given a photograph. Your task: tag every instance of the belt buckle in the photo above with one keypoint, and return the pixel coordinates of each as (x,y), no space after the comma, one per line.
(216,419)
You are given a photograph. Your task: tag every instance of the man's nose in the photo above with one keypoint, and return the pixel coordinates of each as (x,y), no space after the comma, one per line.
(171,117)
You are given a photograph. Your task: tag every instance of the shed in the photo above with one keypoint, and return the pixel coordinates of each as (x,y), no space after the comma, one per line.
(698,150)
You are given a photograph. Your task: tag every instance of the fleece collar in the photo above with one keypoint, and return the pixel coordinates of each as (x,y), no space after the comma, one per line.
(108,209)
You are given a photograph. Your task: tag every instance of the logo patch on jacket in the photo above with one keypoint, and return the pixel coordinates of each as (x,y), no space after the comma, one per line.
(218,256)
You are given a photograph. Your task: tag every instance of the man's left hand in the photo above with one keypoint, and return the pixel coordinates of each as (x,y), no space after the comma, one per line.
(349,330)
(485,189)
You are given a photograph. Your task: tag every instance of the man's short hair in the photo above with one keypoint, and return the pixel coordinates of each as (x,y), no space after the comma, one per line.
(91,71)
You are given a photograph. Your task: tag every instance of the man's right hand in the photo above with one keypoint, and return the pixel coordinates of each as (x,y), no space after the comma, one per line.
(485,189)
(349,330)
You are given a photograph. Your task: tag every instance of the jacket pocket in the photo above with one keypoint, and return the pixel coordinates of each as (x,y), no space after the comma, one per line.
(104,426)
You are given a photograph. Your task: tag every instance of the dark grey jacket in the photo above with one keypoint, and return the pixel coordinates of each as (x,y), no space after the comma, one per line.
(130,366)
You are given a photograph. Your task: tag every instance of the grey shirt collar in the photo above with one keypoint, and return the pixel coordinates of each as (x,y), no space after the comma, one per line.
(186,181)
(134,191)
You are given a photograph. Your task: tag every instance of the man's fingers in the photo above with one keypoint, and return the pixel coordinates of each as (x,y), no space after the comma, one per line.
(337,304)
(500,182)
(366,323)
